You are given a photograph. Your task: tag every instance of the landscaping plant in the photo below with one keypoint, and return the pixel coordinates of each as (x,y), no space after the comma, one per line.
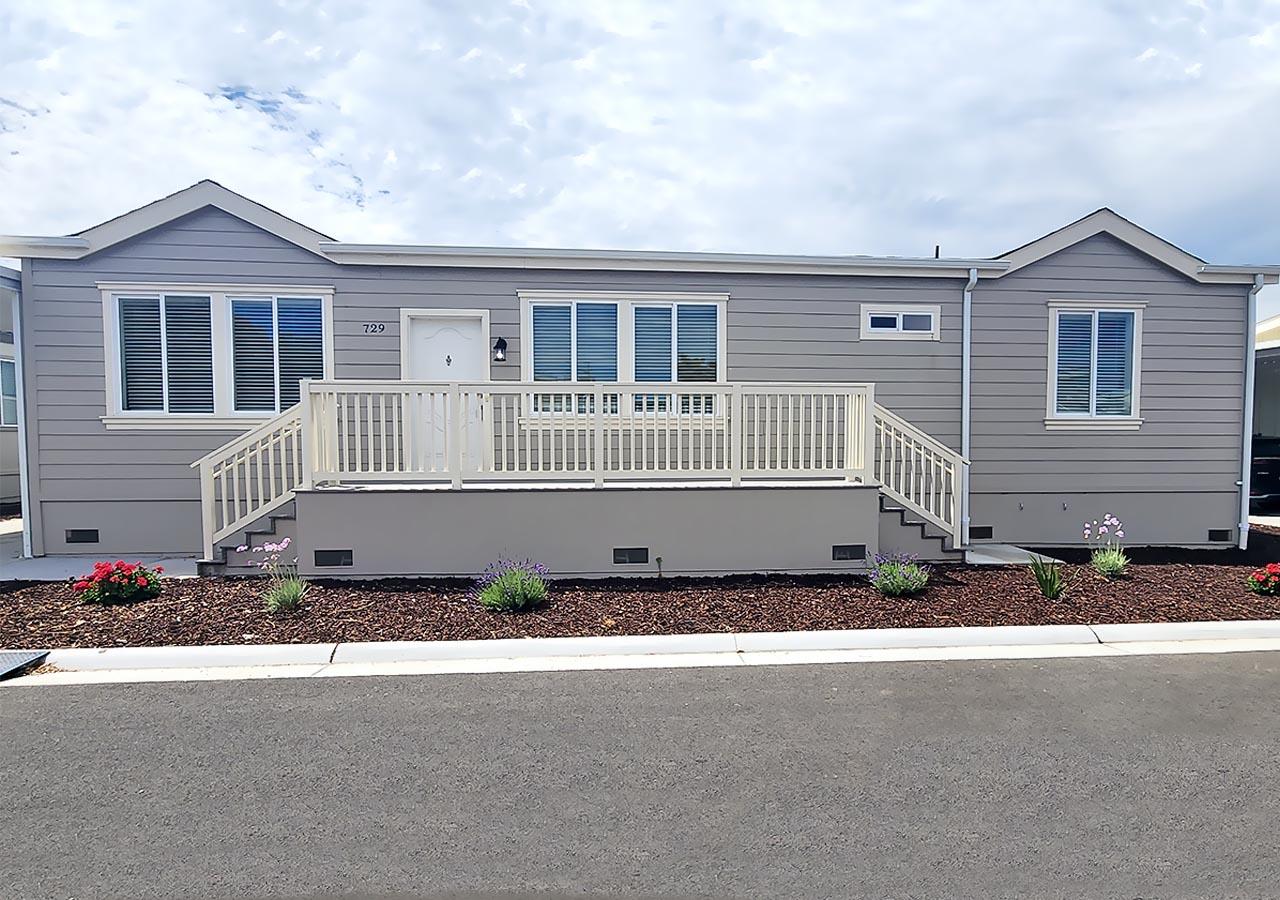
(285,587)
(1049,577)
(508,586)
(898,574)
(119,582)
(1108,558)
(1265,580)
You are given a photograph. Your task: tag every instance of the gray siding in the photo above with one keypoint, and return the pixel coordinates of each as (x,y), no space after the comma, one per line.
(779,328)
(1192,401)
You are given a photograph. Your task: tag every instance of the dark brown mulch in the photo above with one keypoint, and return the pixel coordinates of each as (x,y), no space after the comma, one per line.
(228,611)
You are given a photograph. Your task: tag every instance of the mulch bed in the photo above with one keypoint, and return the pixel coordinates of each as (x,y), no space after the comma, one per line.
(230,611)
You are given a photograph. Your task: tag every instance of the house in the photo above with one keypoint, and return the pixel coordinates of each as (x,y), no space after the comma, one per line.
(1266,417)
(206,373)
(10,475)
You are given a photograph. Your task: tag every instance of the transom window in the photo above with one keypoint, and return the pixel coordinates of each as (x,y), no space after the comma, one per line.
(610,338)
(907,321)
(212,352)
(1094,362)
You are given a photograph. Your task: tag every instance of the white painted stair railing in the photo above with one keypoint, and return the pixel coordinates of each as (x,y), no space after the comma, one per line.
(251,476)
(920,473)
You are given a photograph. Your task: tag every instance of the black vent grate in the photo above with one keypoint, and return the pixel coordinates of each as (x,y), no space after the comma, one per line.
(629,556)
(1218,535)
(847,552)
(981,532)
(331,558)
(82,536)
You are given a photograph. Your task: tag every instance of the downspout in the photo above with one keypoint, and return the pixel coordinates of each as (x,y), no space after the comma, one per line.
(1250,363)
(965,404)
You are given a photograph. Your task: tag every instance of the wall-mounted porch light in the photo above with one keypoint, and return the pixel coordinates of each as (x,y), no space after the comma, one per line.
(500,350)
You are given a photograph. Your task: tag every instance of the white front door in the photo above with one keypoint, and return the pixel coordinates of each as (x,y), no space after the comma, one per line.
(449,347)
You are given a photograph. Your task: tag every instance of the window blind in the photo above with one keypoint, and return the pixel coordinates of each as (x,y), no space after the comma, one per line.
(189,354)
(253,354)
(597,339)
(1114,364)
(653,343)
(1075,363)
(551,350)
(696,342)
(141,364)
(301,344)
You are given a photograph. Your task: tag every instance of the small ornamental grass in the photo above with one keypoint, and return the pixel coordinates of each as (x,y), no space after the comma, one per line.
(1108,558)
(898,575)
(285,588)
(119,582)
(1265,581)
(508,586)
(1049,578)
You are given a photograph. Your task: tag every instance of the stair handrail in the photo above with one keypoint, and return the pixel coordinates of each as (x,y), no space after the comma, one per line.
(270,435)
(945,513)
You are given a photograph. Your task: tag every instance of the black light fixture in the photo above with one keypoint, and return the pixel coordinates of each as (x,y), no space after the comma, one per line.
(500,350)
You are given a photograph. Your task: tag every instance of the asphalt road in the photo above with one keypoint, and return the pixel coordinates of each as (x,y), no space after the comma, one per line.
(1128,777)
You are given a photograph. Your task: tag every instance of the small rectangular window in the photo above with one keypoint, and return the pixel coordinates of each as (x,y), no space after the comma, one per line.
(901,321)
(8,392)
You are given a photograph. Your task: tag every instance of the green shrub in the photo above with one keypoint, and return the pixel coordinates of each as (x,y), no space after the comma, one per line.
(285,593)
(1110,562)
(898,575)
(508,586)
(119,582)
(1049,579)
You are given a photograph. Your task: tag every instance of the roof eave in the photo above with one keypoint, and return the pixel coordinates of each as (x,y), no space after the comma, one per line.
(33,247)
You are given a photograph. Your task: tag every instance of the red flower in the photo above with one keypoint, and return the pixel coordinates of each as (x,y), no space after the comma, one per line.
(159,568)
(82,585)
(142,582)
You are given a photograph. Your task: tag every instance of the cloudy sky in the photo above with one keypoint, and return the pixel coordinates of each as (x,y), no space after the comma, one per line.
(762,125)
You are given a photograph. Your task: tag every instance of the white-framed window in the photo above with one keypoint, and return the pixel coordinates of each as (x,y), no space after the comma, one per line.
(1095,364)
(8,393)
(901,322)
(208,355)
(603,336)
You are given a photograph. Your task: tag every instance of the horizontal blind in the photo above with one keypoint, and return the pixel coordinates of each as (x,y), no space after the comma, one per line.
(551,350)
(653,343)
(141,365)
(301,344)
(253,352)
(696,342)
(188,335)
(1075,362)
(597,337)
(1115,364)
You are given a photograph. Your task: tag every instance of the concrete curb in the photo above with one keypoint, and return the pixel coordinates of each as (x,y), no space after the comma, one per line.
(648,645)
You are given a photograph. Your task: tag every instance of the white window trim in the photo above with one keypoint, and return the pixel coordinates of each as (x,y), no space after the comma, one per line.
(224,417)
(11,426)
(867,333)
(1056,421)
(626,301)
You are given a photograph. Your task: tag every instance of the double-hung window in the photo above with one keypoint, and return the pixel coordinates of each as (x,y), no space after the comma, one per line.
(596,337)
(1094,364)
(202,354)
(8,392)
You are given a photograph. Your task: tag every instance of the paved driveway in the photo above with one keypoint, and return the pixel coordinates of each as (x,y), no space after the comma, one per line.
(1125,777)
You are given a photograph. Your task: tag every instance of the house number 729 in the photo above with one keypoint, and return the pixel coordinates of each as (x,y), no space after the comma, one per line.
(375,327)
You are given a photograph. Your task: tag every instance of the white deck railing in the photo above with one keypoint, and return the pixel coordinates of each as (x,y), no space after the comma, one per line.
(495,431)
(351,432)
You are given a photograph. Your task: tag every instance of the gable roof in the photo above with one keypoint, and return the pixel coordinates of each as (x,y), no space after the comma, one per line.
(1108,221)
(166,209)
(209,193)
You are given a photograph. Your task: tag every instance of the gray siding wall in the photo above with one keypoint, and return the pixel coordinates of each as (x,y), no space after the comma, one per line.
(1183,463)
(779,328)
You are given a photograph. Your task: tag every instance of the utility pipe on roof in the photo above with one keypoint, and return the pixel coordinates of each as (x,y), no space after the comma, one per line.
(1250,364)
(965,404)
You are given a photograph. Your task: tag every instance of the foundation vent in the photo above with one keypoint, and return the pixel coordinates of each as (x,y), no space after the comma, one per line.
(629,556)
(847,552)
(1219,535)
(331,558)
(82,536)
(981,532)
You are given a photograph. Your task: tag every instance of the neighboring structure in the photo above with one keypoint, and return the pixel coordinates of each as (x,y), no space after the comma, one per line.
(1266,403)
(424,410)
(10,475)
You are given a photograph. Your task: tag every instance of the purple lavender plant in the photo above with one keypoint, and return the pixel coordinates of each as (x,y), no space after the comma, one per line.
(511,586)
(898,574)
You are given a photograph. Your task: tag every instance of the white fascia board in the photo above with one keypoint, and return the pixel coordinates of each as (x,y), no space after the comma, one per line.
(25,246)
(1239,274)
(656,260)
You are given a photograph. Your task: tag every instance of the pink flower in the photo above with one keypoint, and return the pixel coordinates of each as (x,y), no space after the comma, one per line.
(1119,534)
(240,549)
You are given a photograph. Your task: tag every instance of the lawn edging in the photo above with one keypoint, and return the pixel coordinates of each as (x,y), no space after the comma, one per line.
(652,645)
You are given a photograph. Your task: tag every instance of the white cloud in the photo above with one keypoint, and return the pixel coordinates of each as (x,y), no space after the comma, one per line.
(765,125)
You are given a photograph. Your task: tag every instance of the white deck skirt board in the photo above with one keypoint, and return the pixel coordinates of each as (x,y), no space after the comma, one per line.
(540,485)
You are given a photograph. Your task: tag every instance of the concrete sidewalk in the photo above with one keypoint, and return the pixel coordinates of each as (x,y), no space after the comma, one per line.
(60,568)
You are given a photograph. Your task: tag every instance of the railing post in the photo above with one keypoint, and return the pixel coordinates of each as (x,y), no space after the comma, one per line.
(960,506)
(208,522)
(735,434)
(597,440)
(309,433)
(454,431)
(869,436)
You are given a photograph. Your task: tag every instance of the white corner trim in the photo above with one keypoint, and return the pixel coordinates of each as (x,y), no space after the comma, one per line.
(407,315)
(1097,423)
(869,309)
